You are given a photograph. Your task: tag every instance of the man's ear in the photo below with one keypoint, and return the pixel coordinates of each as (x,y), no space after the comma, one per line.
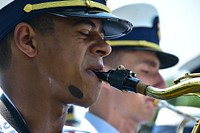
(24,39)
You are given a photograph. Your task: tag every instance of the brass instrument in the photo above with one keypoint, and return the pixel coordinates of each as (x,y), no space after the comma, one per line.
(187,117)
(125,80)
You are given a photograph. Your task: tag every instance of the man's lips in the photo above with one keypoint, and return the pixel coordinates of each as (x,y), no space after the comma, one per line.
(95,68)
(92,72)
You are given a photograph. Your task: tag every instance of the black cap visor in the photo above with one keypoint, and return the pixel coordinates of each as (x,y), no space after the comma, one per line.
(166,60)
(113,26)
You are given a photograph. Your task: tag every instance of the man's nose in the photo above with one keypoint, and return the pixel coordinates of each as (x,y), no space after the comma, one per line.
(101,47)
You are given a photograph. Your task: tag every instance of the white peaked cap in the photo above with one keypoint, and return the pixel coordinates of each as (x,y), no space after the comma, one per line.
(145,35)
(133,13)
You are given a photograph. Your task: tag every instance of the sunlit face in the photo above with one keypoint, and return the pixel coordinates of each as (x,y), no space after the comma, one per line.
(146,65)
(70,55)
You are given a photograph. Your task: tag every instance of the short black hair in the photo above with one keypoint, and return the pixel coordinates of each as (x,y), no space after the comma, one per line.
(5,51)
(42,23)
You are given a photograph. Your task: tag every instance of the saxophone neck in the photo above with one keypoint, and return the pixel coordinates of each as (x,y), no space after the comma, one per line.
(126,80)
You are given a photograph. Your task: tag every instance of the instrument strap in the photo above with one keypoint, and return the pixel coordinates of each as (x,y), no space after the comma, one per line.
(12,116)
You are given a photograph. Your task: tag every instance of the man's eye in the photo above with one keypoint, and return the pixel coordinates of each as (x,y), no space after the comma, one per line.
(85,32)
(144,71)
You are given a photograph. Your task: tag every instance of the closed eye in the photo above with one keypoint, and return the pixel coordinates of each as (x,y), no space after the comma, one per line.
(144,71)
(85,33)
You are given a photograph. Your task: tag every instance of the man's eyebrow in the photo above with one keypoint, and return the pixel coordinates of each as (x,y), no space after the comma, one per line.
(89,22)
(150,62)
(85,21)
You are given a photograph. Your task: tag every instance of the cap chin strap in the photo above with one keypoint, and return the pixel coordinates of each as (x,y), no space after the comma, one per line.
(139,43)
(65,3)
